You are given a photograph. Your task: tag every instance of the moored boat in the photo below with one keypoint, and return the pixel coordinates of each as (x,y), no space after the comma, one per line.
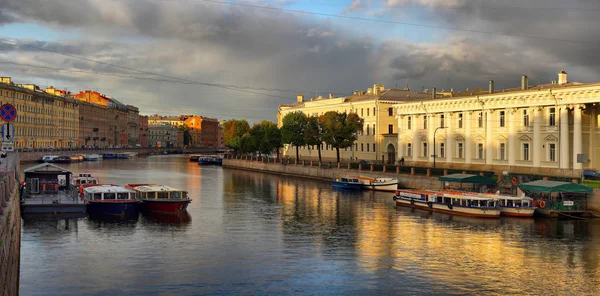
(210,160)
(92,157)
(449,202)
(109,155)
(76,158)
(347,183)
(161,198)
(514,206)
(49,158)
(62,159)
(379,184)
(108,199)
(83,179)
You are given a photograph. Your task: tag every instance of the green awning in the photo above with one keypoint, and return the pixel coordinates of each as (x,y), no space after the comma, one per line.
(555,186)
(468,178)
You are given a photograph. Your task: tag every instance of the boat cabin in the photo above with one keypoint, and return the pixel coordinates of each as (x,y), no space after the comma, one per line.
(350,180)
(108,192)
(46,178)
(83,179)
(160,192)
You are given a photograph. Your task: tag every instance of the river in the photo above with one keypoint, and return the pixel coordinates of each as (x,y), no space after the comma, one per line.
(253,233)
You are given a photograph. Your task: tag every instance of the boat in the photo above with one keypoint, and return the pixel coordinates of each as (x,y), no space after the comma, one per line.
(161,198)
(556,199)
(514,206)
(210,160)
(125,155)
(109,200)
(379,184)
(92,157)
(49,158)
(48,190)
(347,183)
(83,179)
(449,202)
(194,157)
(109,155)
(76,158)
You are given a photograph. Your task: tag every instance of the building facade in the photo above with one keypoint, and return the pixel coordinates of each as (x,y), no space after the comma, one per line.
(164,136)
(133,130)
(541,129)
(375,106)
(143,133)
(43,119)
(103,120)
(202,131)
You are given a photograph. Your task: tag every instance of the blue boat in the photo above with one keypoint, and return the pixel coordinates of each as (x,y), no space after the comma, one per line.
(109,200)
(347,183)
(210,160)
(109,155)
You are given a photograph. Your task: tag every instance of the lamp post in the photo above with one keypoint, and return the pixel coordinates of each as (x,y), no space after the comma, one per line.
(434,150)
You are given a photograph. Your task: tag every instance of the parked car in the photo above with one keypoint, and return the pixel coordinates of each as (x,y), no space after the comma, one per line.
(591,175)
(27,149)
(50,148)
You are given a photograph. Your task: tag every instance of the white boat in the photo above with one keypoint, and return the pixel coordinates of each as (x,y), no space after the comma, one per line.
(514,206)
(92,157)
(449,202)
(83,179)
(379,184)
(49,158)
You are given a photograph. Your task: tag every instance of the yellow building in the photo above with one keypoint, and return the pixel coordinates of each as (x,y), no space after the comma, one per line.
(378,139)
(43,119)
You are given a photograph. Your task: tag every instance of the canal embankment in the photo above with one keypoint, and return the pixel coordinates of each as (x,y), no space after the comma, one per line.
(36,156)
(10,225)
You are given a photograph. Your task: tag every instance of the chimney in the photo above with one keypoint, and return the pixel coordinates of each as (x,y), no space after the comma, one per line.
(524,82)
(434,92)
(330,96)
(491,87)
(300,98)
(562,77)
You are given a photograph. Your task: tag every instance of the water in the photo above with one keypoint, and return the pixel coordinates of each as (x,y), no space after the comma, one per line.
(252,233)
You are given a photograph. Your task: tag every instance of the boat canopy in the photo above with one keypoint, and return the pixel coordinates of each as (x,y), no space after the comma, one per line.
(555,186)
(468,178)
(46,167)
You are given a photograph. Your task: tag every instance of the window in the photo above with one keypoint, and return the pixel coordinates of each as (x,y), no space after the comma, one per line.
(409,149)
(480,150)
(390,111)
(373,111)
(367,147)
(480,119)
(355,146)
(502,119)
(459,150)
(442,150)
(425,149)
(526,151)
(367,111)
(110,196)
(552,152)
(460,120)
(122,195)
(409,123)
(362,147)
(425,122)
(502,151)
(525,118)
(373,129)
(367,126)
(552,117)
(442,120)
(362,113)
(175,195)
(390,129)
(373,147)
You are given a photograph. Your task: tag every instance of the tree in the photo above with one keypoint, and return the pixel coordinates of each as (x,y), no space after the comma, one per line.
(314,133)
(246,143)
(340,129)
(293,128)
(266,137)
(233,131)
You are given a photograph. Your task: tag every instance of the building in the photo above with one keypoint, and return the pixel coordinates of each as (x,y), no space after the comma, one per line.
(133,130)
(202,131)
(143,133)
(164,136)
(375,106)
(540,129)
(43,119)
(175,121)
(103,120)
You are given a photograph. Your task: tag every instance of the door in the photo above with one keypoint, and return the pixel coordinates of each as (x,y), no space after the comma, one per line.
(33,185)
(391,154)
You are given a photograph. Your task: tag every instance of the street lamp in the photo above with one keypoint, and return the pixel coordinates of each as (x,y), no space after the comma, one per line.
(435,151)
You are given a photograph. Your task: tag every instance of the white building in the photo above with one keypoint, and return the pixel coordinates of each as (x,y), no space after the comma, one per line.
(539,129)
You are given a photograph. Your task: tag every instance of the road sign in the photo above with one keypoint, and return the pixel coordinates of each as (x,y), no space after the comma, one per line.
(8,112)
(8,132)
(7,146)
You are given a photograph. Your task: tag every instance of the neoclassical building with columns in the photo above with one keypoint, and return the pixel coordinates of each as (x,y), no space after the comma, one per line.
(539,129)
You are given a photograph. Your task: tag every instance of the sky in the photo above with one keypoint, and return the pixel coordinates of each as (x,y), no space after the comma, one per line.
(242,59)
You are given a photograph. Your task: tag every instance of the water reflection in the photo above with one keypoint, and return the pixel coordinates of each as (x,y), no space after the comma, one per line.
(182,218)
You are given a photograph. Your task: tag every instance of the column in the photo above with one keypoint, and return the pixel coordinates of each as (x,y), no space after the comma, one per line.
(577,137)
(400,145)
(592,138)
(535,149)
(416,151)
(449,138)
(564,137)
(467,131)
(510,146)
(488,137)
(431,125)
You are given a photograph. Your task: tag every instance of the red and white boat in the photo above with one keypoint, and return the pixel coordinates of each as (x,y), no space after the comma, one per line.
(161,198)
(449,202)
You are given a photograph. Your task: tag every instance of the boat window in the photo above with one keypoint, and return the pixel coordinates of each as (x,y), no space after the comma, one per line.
(175,195)
(122,195)
(184,194)
(344,180)
(163,194)
(132,195)
(109,196)
(97,196)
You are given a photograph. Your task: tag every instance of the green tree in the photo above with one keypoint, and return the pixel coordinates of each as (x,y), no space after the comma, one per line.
(233,131)
(340,129)
(314,133)
(293,128)
(247,143)
(267,137)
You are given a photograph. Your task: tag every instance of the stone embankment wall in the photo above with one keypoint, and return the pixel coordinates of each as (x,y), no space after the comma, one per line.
(327,174)
(594,202)
(10,226)
(37,156)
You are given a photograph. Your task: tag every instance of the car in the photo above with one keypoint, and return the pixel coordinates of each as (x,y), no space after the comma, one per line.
(50,148)
(591,175)
(27,149)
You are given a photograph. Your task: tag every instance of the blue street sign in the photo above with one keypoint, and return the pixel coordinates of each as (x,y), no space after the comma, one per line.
(8,112)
